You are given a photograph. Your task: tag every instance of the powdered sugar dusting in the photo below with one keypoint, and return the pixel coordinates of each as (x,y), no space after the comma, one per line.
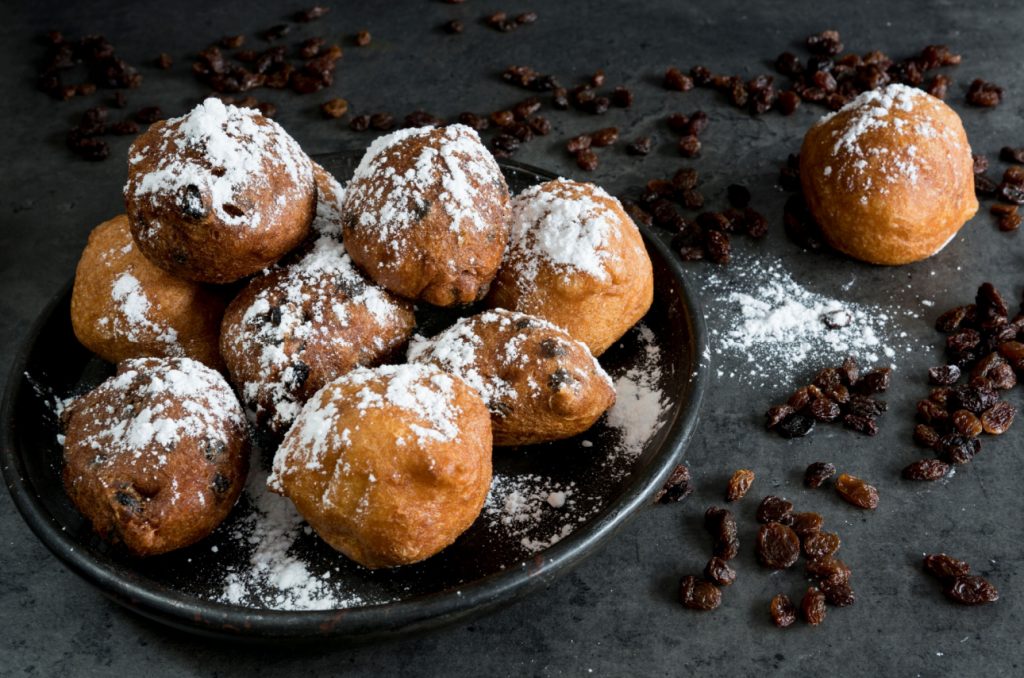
(132,319)
(640,404)
(452,157)
(535,510)
(561,224)
(762,317)
(219,151)
(274,577)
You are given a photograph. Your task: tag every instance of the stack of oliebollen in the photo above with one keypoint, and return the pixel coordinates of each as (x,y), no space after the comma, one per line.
(239,256)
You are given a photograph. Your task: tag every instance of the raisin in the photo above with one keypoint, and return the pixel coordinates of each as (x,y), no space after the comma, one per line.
(774,509)
(824,409)
(334,108)
(678,486)
(738,196)
(966,423)
(829,571)
(930,412)
(1009,222)
(360,123)
(939,86)
(839,595)
(739,484)
(756,223)
(972,398)
(876,381)
(980,163)
(605,137)
(945,375)
(783,611)
(778,546)
(454,27)
(622,97)
(578,143)
(951,320)
(945,567)
(821,545)
(813,606)
(689,146)
(363,38)
(587,160)
(861,423)
(719,572)
(971,590)
(1013,351)
(925,436)
(721,525)
(311,14)
(857,492)
(817,473)
(676,80)
(717,246)
(696,594)
(957,449)
(926,469)
(984,94)
(382,122)
(795,426)
(997,419)
(685,179)
(805,524)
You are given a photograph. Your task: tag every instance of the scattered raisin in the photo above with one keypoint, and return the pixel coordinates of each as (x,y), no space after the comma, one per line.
(971,590)
(783,611)
(945,375)
(926,469)
(856,491)
(813,606)
(957,449)
(984,94)
(678,486)
(587,160)
(997,419)
(817,473)
(719,572)
(778,546)
(739,484)
(806,524)
(334,108)
(697,594)
(640,146)
(821,545)
(945,567)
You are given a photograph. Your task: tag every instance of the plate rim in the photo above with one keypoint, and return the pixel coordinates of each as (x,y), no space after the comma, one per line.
(365,622)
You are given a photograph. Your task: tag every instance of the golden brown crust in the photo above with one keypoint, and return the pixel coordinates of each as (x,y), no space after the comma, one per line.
(122,306)
(218,194)
(577,260)
(426,215)
(538,382)
(388,465)
(890,176)
(291,331)
(156,456)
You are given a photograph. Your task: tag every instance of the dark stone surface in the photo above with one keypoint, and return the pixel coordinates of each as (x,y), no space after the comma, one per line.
(615,615)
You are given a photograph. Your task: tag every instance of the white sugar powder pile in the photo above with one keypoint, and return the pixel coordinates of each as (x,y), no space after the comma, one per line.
(535,510)
(273,577)
(769,326)
(639,402)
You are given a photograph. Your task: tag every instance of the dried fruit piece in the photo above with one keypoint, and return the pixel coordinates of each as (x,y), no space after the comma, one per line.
(829,571)
(971,589)
(739,484)
(805,524)
(926,469)
(839,595)
(774,509)
(957,449)
(697,594)
(778,546)
(783,611)
(821,545)
(813,606)
(719,572)
(817,473)
(966,423)
(944,375)
(925,436)
(856,491)
(945,567)
(997,419)
(678,486)
(795,426)
(721,525)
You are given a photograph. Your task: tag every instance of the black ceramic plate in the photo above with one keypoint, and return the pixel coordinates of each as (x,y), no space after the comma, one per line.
(485,567)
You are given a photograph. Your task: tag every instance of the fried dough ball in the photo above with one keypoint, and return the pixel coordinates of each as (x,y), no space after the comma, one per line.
(122,306)
(577,260)
(889,177)
(294,329)
(426,215)
(156,455)
(539,383)
(330,198)
(219,193)
(388,465)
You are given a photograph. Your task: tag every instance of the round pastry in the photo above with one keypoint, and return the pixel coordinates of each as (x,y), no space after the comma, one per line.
(389,465)
(889,177)
(156,455)
(426,214)
(539,383)
(219,193)
(577,260)
(294,329)
(122,306)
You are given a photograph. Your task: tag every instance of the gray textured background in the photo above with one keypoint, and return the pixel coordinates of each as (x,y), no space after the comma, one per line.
(616,614)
